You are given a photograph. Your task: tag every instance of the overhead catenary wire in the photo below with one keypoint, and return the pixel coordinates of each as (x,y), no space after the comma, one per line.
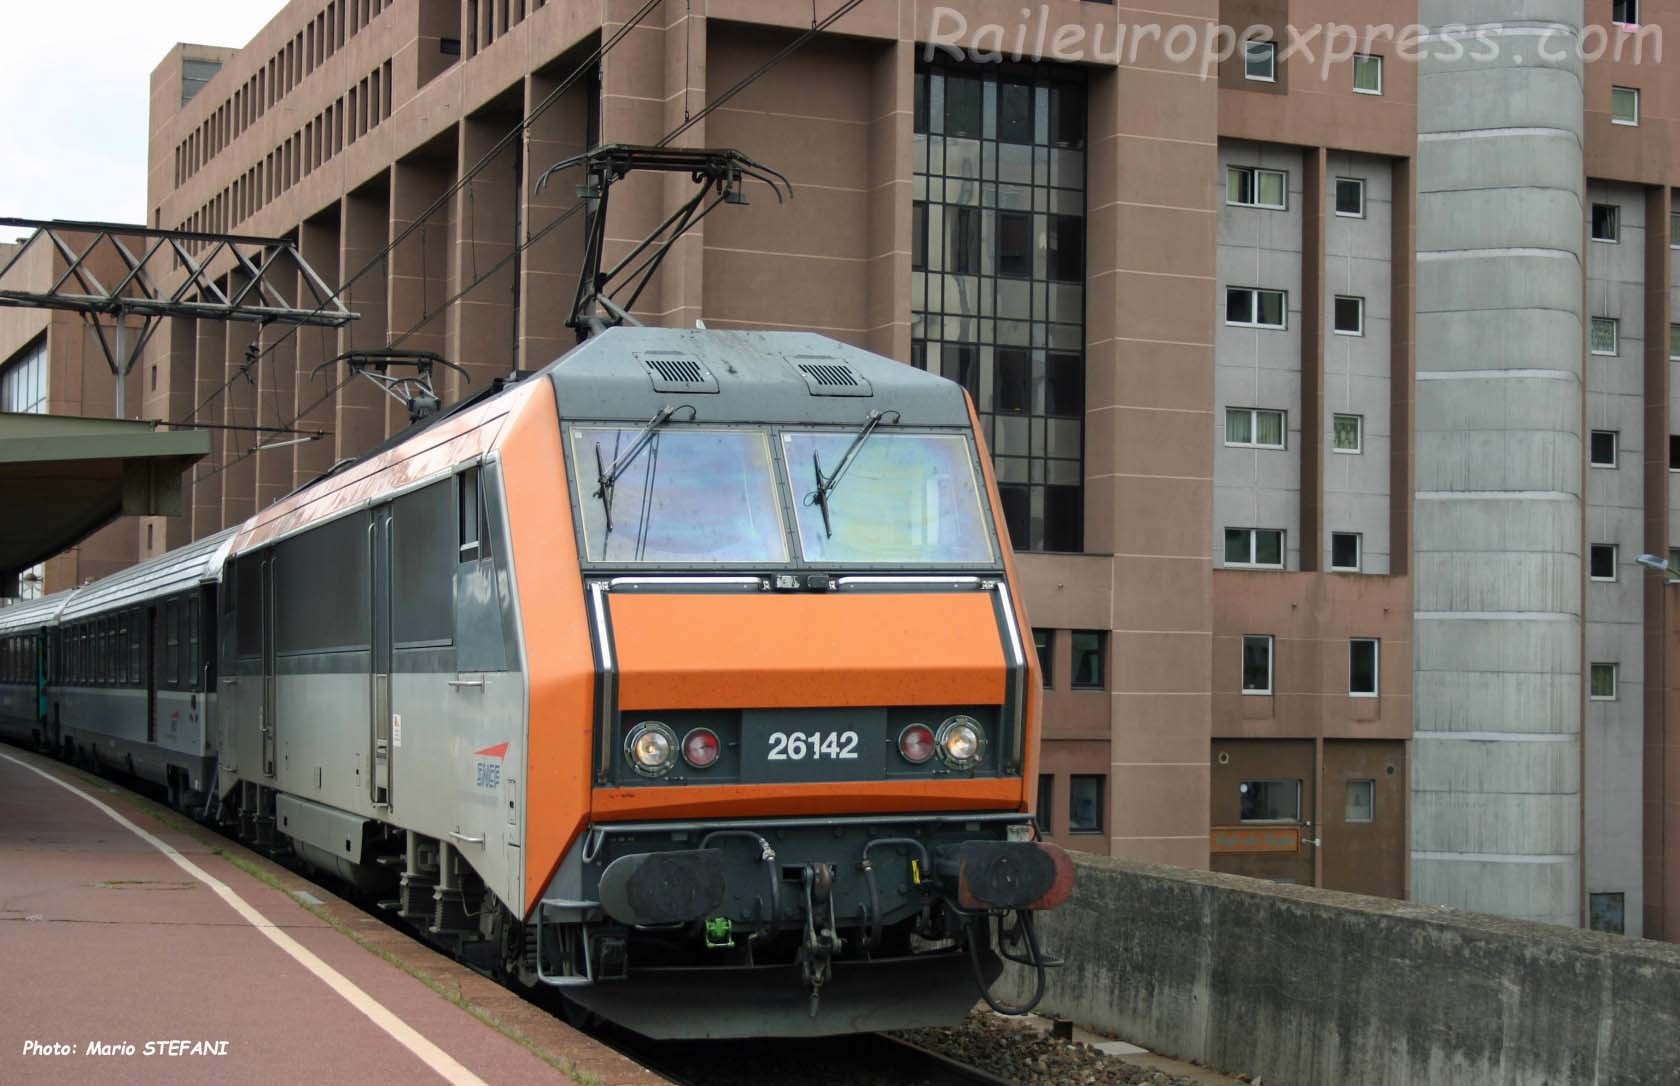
(740,85)
(565,216)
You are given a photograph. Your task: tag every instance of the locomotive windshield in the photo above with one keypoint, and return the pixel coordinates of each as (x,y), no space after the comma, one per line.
(686,496)
(906,498)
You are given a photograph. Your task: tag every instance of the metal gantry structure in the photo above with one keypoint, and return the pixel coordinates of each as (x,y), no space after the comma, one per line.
(268,282)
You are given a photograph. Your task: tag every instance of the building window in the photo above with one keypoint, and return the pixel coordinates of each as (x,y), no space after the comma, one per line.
(1257,664)
(1254,428)
(1046,803)
(1045,642)
(1674,342)
(1361,801)
(1624,105)
(1350,197)
(23,381)
(1344,551)
(1260,61)
(1606,222)
(1603,677)
(1604,448)
(1367,73)
(1608,913)
(1625,12)
(1605,335)
(1085,803)
(1364,662)
(1602,561)
(1249,186)
(1347,433)
(998,294)
(1251,307)
(1349,315)
(918,235)
(1088,651)
(1674,452)
(1261,548)
(1270,801)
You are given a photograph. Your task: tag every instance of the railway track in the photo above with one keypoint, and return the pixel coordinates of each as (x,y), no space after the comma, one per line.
(869,1059)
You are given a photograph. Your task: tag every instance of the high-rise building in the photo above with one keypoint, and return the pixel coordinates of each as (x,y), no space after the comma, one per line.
(1329,385)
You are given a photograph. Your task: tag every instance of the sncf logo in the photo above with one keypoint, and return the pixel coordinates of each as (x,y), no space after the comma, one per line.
(487,765)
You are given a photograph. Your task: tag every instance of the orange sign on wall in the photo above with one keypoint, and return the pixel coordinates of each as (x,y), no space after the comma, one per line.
(1247,839)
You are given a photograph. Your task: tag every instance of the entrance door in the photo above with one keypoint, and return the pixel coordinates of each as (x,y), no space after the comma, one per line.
(1263,803)
(1365,816)
(267,714)
(383,733)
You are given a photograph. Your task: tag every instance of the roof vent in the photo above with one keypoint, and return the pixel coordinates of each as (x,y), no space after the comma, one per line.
(678,373)
(830,377)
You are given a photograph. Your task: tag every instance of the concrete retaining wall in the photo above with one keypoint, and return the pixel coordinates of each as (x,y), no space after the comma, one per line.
(1311,986)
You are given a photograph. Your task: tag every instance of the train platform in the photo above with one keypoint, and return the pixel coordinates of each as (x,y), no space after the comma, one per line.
(139,947)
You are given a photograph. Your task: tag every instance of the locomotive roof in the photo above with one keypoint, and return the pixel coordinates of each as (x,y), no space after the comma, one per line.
(33,614)
(782,377)
(165,575)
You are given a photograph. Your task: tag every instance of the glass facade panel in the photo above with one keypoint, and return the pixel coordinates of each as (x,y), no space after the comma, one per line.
(998,302)
(23,390)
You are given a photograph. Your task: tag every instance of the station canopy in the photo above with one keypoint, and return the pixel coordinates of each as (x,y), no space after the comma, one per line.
(62,478)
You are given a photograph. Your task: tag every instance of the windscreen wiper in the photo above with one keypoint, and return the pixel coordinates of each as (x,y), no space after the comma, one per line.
(607,477)
(827,483)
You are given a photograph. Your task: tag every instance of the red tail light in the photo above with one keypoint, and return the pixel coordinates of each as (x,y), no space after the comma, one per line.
(700,748)
(915,743)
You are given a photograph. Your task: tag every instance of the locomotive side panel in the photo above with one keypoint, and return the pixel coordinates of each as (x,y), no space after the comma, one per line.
(554,638)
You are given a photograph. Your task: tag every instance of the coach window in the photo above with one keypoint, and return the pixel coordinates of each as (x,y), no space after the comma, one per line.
(195,655)
(172,643)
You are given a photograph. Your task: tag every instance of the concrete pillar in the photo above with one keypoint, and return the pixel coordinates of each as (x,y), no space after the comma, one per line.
(238,479)
(892,102)
(418,278)
(479,331)
(1152,190)
(548,271)
(1660,806)
(311,346)
(1499,514)
(166,373)
(209,365)
(361,417)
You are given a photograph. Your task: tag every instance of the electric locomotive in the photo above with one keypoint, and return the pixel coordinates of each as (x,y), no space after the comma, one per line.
(687,676)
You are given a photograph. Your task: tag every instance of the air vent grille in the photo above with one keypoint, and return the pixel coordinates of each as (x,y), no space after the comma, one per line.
(829,374)
(678,373)
(830,377)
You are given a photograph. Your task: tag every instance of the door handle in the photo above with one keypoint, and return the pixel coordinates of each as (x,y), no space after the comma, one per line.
(468,838)
(230,681)
(462,684)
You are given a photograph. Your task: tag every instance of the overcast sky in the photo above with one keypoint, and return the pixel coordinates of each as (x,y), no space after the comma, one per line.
(74,79)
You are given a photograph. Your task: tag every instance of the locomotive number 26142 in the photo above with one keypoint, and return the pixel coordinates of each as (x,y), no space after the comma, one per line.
(798,746)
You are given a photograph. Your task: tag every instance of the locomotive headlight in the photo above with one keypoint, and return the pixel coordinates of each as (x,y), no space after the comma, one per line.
(651,748)
(961,741)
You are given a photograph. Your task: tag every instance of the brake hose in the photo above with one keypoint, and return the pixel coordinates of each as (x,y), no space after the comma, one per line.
(979,928)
